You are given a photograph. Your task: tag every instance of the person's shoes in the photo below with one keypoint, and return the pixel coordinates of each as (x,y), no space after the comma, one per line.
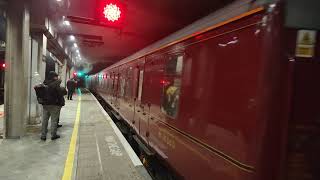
(43,138)
(59,126)
(55,137)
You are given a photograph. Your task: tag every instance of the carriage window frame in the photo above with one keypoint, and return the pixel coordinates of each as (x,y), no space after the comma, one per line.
(129,83)
(122,84)
(140,83)
(171,85)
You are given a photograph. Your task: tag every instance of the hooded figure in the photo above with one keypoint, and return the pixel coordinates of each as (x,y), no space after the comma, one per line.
(52,107)
(71,86)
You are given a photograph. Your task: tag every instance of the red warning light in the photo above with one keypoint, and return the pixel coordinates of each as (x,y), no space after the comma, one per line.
(111,12)
(3,65)
(164,82)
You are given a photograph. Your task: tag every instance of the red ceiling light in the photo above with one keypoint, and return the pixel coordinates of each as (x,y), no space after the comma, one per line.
(111,12)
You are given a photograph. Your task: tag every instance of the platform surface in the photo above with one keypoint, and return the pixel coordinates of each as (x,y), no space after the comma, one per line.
(100,153)
(1,121)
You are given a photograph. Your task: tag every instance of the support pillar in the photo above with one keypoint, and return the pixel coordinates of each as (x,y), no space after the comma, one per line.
(41,57)
(17,70)
(63,74)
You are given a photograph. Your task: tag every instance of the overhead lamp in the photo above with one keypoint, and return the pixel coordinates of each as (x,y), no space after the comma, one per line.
(72,38)
(80,74)
(66,22)
(112,12)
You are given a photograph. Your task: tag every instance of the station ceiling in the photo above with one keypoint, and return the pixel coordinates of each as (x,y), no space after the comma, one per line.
(146,21)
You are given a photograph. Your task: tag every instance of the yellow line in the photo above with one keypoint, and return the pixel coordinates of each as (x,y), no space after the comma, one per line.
(68,167)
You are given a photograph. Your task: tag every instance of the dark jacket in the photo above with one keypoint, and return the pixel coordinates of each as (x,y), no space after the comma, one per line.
(55,93)
(71,85)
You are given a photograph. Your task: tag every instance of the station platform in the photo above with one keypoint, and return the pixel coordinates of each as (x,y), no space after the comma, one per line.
(1,121)
(91,147)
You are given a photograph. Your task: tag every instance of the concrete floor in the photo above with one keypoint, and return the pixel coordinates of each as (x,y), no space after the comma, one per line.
(1,119)
(30,158)
(100,154)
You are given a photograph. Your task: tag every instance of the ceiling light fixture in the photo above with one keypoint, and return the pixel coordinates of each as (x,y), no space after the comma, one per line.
(72,38)
(112,12)
(67,23)
(75,45)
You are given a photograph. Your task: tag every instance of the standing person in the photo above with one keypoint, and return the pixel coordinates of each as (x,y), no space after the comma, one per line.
(52,106)
(63,92)
(71,85)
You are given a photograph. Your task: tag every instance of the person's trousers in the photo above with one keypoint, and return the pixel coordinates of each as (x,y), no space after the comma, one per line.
(53,112)
(70,93)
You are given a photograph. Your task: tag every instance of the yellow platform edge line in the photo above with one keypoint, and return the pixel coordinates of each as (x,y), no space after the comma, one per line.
(68,167)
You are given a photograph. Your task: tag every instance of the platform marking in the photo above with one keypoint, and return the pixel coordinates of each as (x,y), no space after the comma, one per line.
(134,158)
(99,154)
(114,149)
(68,167)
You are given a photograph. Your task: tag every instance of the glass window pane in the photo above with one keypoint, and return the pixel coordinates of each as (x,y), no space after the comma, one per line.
(171,93)
(140,85)
(174,65)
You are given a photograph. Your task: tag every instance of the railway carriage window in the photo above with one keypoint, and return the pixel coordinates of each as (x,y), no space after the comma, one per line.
(122,85)
(174,65)
(140,83)
(113,82)
(104,82)
(128,91)
(109,78)
(100,81)
(117,85)
(171,86)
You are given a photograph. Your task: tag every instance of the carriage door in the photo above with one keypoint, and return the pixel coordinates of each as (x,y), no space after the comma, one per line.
(152,90)
(304,124)
(113,76)
(139,107)
(117,92)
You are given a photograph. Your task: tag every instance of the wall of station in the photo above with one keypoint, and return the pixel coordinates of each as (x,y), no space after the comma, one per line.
(28,59)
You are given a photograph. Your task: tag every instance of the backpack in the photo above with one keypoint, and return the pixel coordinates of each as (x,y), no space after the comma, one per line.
(42,93)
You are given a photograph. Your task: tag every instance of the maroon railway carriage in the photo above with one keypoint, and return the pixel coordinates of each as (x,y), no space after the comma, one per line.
(233,96)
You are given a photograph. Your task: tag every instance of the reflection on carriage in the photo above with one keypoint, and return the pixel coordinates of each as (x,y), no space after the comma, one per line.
(170,101)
